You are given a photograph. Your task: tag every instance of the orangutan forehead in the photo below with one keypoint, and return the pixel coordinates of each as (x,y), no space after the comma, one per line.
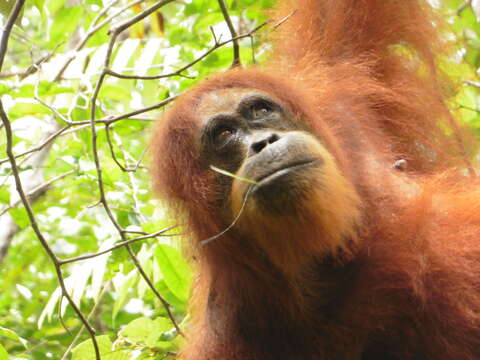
(224,101)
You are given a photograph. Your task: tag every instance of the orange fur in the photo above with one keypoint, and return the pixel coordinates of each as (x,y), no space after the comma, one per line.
(382,263)
(290,239)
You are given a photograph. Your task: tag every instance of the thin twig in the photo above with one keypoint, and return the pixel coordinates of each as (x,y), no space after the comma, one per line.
(126,24)
(18,182)
(473,83)
(86,123)
(40,146)
(7,29)
(232,224)
(112,150)
(112,119)
(52,109)
(82,328)
(114,33)
(116,246)
(228,20)
(11,74)
(217,44)
(92,30)
(281,21)
(462,7)
(102,12)
(36,229)
(36,190)
(32,69)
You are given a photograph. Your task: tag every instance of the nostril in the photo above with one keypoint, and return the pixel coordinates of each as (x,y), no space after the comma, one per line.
(262,140)
(272,138)
(259,146)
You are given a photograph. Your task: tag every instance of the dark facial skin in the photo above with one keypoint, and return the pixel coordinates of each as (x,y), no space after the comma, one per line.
(249,133)
(238,126)
(293,178)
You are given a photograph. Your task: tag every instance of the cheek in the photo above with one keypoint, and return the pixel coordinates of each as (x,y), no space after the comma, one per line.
(317,214)
(317,189)
(290,176)
(229,159)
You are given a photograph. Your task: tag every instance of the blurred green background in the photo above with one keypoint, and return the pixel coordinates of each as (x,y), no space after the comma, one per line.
(54,63)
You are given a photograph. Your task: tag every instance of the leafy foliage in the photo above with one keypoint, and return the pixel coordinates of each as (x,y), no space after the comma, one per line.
(56,58)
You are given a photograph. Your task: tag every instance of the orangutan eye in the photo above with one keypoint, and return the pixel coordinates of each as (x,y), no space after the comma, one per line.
(222,135)
(260,110)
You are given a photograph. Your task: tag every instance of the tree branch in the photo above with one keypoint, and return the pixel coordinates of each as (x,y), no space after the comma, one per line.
(228,20)
(114,33)
(18,183)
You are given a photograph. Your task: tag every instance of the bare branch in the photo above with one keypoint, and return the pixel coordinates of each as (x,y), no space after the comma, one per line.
(37,191)
(462,7)
(79,333)
(94,27)
(32,69)
(116,246)
(82,124)
(473,83)
(18,183)
(281,21)
(112,119)
(112,150)
(126,24)
(40,146)
(217,44)
(38,233)
(52,109)
(7,29)
(103,200)
(228,20)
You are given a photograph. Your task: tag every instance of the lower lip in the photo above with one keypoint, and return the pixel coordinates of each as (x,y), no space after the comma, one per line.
(285,171)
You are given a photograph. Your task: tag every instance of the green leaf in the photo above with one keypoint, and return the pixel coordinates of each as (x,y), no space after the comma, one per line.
(115,92)
(64,24)
(6,8)
(25,109)
(86,351)
(4,194)
(175,270)
(54,5)
(151,227)
(3,353)
(49,307)
(123,285)
(39,5)
(19,215)
(207,20)
(161,286)
(12,335)
(4,89)
(145,259)
(146,331)
(44,88)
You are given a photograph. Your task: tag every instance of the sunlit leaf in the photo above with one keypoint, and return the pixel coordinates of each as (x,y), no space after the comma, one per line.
(64,24)
(123,285)
(49,309)
(85,350)
(10,334)
(175,270)
(146,331)
(24,109)
(19,215)
(3,353)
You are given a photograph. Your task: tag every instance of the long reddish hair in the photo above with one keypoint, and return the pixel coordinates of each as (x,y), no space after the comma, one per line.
(363,75)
